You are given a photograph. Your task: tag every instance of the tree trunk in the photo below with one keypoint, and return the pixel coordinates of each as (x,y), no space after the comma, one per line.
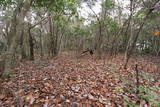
(16,34)
(56,41)
(132,41)
(31,45)
(51,49)
(23,53)
(41,45)
(99,44)
(14,22)
(131,34)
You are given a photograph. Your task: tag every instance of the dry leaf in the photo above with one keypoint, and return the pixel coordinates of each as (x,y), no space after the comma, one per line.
(2,96)
(20,92)
(30,99)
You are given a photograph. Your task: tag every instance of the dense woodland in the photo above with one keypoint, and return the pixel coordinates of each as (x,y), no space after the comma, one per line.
(52,55)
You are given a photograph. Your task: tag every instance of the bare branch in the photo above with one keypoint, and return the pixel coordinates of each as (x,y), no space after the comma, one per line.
(38,23)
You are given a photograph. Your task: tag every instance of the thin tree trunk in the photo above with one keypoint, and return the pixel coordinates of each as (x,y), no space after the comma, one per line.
(99,41)
(41,46)
(60,41)
(56,42)
(131,33)
(23,53)
(131,43)
(137,79)
(31,45)
(51,50)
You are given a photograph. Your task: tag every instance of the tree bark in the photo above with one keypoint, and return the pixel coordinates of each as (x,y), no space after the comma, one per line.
(41,45)
(51,49)
(31,45)
(16,34)
(23,52)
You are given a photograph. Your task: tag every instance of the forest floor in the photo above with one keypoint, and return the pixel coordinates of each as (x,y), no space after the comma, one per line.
(65,81)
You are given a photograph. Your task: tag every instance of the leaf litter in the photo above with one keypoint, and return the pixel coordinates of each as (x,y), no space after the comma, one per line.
(68,82)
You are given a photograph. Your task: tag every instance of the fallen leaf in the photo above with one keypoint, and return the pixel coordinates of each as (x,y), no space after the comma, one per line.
(2,96)
(30,99)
